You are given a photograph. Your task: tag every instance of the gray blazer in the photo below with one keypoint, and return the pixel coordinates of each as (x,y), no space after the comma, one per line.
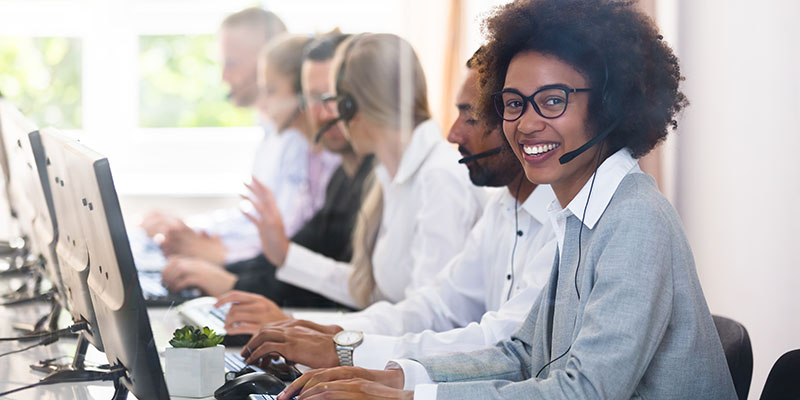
(641,329)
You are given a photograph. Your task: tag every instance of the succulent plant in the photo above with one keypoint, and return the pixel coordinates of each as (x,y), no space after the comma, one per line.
(195,338)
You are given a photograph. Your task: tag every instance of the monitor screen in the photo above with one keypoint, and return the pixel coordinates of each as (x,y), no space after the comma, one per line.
(113,281)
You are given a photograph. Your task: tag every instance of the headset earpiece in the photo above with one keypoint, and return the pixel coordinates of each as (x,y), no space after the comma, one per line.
(347,107)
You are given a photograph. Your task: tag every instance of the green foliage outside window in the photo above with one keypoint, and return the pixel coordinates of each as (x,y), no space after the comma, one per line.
(181,84)
(42,77)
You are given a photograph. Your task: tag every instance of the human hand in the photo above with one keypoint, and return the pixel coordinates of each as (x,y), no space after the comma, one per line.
(269,222)
(296,344)
(348,383)
(249,312)
(184,272)
(157,222)
(183,240)
(302,323)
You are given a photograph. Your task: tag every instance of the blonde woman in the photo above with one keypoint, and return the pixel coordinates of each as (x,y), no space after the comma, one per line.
(413,220)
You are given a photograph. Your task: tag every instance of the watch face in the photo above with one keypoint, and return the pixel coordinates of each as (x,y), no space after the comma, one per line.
(348,338)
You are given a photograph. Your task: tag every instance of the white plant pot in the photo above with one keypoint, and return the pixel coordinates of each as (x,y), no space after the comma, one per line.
(194,372)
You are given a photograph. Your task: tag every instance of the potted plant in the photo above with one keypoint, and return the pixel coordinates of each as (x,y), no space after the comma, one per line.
(195,364)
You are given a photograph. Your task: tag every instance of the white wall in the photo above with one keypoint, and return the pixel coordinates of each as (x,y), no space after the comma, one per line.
(738,171)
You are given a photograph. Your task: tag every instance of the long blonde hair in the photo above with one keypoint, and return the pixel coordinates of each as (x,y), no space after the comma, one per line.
(385,78)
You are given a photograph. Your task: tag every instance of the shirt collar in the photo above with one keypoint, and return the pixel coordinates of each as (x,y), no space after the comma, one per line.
(609,175)
(536,204)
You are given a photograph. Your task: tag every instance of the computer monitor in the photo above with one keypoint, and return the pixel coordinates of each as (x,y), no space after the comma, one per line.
(72,251)
(29,190)
(13,128)
(113,281)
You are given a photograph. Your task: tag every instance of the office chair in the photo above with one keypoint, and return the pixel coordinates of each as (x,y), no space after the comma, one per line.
(783,381)
(738,353)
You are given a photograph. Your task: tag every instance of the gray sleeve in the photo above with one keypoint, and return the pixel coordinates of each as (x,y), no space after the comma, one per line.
(625,317)
(506,360)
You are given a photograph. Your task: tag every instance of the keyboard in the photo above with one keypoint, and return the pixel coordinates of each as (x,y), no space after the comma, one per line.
(155,294)
(234,363)
(201,312)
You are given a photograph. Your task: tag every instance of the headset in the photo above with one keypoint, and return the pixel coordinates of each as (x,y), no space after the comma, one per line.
(345,102)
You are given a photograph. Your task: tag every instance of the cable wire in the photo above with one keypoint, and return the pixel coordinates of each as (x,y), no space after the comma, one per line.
(109,376)
(517,233)
(59,333)
(578,266)
(44,342)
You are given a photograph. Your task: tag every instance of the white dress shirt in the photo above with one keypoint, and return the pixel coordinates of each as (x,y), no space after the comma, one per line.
(429,207)
(297,177)
(478,299)
(609,175)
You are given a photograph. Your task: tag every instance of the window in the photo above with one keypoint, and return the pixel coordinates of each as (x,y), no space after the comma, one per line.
(140,80)
(42,76)
(180,86)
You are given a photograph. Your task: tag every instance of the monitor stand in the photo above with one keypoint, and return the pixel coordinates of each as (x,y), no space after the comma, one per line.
(120,390)
(47,323)
(29,291)
(76,371)
(17,261)
(12,247)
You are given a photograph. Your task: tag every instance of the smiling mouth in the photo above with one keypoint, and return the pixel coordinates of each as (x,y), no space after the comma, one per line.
(537,150)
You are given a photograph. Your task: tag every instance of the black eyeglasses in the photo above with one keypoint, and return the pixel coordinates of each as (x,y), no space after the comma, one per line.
(324,99)
(549,102)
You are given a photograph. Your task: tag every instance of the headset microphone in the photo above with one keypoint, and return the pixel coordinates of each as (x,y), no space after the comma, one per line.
(324,128)
(574,153)
(487,153)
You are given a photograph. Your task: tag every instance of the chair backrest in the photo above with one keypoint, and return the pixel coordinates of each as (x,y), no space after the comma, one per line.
(738,353)
(783,381)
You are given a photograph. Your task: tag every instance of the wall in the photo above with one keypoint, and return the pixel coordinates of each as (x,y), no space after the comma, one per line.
(738,174)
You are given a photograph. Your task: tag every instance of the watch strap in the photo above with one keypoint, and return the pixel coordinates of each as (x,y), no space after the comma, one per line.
(345,354)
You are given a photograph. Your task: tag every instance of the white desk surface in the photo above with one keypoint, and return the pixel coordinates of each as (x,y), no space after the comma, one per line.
(14,370)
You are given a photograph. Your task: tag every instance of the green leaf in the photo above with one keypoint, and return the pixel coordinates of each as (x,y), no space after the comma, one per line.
(192,337)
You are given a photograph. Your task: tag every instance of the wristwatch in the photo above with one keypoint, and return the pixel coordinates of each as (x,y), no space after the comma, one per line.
(346,342)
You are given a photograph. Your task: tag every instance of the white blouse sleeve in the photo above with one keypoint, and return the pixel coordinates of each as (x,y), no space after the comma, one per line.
(317,273)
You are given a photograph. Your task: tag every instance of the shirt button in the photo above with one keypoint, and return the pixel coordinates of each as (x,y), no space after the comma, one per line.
(508,277)
(519,233)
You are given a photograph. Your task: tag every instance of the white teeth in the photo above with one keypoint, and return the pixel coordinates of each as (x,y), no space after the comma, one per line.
(540,149)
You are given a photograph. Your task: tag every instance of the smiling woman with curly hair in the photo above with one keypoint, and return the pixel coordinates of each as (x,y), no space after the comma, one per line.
(582,88)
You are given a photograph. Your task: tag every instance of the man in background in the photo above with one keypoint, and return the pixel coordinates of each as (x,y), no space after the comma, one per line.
(226,235)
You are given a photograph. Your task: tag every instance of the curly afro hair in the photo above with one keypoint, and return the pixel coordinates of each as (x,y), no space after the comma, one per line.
(616,47)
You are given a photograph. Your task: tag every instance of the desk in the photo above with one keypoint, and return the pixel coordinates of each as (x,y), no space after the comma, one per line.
(14,370)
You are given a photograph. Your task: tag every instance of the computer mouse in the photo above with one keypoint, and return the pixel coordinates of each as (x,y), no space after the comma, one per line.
(253,383)
(246,370)
(280,368)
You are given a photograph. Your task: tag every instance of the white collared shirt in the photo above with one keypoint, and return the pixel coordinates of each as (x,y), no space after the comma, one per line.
(609,175)
(472,303)
(429,207)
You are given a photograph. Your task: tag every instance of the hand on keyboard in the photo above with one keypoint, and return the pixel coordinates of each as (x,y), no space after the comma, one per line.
(248,312)
(298,344)
(349,382)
